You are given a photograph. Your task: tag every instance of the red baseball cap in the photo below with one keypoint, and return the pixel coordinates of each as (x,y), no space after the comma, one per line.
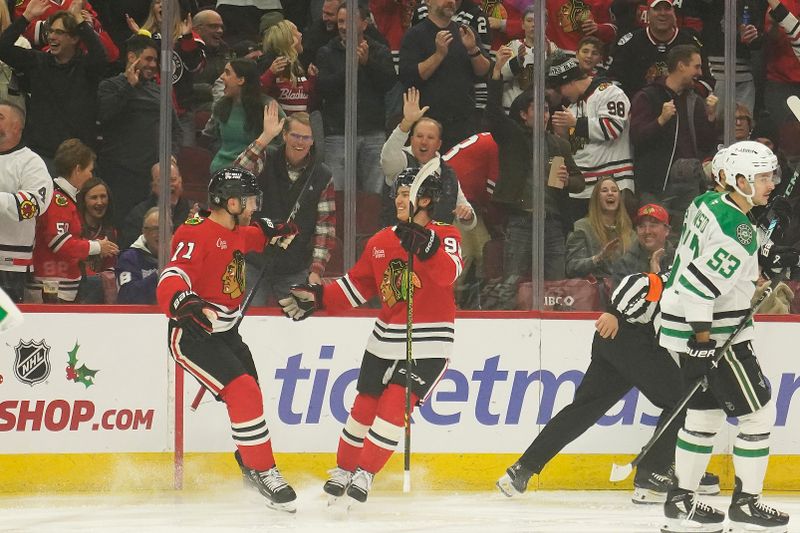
(654,2)
(655,211)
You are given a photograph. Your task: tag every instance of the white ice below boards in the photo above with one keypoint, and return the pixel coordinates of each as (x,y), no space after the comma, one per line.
(236,510)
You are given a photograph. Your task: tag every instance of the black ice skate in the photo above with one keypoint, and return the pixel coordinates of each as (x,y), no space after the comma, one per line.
(360,484)
(652,487)
(747,513)
(709,485)
(337,483)
(686,514)
(274,488)
(246,481)
(515,480)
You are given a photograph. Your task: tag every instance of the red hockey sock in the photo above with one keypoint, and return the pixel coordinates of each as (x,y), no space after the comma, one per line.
(246,412)
(386,430)
(355,429)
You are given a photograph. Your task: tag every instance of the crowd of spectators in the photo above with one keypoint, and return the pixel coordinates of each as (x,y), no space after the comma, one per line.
(633,116)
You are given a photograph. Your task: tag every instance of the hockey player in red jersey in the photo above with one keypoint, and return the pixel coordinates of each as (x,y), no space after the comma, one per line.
(201,290)
(375,424)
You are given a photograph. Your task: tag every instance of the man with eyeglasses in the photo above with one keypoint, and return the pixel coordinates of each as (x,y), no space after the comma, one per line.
(137,267)
(295,184)
(62,81)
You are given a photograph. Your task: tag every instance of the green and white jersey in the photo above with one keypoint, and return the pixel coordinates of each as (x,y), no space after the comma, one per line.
(714,273)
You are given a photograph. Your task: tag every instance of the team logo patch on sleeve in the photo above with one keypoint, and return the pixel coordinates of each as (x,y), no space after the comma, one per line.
(194,220)
(61,201)
(744,232)
(27,208)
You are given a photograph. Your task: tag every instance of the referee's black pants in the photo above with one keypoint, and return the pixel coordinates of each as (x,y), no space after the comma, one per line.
(632,359)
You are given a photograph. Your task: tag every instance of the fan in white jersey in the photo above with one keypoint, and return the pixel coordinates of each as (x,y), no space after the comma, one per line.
(707,296)
(596,125)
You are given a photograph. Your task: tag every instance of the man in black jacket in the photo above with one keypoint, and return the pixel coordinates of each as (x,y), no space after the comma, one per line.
(298,186)
(130,122)
(375,77)
(62,81)
(513,189)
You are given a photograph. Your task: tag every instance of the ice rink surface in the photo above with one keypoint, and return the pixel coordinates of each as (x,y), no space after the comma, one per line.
(438,512)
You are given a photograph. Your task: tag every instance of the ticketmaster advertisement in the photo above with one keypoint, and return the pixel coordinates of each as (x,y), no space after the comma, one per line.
(99,383)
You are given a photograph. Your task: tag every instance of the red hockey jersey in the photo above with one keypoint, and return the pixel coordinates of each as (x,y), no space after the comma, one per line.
(59,248)
(566,16)
(380,271)
(208,259)
(476,163)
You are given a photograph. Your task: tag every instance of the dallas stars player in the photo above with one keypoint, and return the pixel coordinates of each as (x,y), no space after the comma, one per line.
(707,296)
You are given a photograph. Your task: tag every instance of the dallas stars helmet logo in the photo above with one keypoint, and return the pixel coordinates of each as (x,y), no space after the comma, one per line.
(744,232)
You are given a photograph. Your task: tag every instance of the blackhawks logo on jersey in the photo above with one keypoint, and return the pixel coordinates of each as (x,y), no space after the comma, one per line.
(60,199)
(393,286)
(233,282)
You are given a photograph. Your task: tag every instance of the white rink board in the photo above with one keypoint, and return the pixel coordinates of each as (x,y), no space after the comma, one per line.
(124,410)
(308,371)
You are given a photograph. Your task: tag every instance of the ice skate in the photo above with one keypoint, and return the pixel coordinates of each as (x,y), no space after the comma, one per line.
(686,514)
(515,480)
(709,485)
(652,488)
(748,514)
(359,486)
(246,481)
(337,483)
(270,483)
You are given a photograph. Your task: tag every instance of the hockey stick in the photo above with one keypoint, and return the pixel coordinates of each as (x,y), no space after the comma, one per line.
(620,472)
(428,169)
(248,299)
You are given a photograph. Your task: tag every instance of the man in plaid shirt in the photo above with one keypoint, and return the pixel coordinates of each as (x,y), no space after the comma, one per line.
(298,186)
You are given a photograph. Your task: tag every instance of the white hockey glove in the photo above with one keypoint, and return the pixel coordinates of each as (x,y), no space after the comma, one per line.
(303,300)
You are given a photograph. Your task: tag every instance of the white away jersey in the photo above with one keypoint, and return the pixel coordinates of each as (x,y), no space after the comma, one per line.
(714,273)
(600,140)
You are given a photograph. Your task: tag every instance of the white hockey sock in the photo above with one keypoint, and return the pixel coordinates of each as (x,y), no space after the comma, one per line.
(750,458)
(692,453)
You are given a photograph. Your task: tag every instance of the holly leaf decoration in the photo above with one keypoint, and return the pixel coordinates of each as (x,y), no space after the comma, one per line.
(79,374)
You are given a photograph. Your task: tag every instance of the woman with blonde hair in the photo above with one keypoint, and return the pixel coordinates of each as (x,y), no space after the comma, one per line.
(9,89)
(285,79)
(601,237)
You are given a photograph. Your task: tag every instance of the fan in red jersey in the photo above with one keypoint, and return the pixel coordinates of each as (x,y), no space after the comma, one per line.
(375,424)
(201,290)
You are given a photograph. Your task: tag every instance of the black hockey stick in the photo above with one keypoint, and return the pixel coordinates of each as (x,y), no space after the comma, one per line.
(427,170)
(248,299)
(620,472)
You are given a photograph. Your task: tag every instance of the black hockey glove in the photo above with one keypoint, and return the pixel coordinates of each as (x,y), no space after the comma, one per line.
(188,309)
(780,257)
(699,360)
(279,233)
(780,208)
(422,242)
(701,349)
(303,300)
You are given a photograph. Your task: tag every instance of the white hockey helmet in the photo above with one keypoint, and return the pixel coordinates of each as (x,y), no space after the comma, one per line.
(746,159)
(716,165)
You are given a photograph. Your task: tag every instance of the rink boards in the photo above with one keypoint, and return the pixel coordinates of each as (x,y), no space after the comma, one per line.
(87,402)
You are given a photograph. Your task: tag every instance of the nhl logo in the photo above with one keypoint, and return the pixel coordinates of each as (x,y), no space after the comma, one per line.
(31,361)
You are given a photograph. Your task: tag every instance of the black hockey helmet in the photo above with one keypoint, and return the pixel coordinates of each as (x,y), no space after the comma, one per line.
(430,188)
(233,182)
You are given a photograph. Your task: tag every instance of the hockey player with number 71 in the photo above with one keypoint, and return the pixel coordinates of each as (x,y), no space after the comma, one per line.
(375,424)
(707,296)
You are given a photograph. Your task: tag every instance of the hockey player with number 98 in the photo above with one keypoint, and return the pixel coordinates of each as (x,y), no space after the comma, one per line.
(707,296)
(375,424)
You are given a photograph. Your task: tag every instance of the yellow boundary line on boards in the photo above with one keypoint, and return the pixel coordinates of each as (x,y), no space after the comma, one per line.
(455,472)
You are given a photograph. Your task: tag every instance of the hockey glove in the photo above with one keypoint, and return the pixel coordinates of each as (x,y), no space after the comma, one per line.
(781,257)
(781,209)
(701,349)
(278,233)
(190,311)
(303,300)
(699,360)
(422,242)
